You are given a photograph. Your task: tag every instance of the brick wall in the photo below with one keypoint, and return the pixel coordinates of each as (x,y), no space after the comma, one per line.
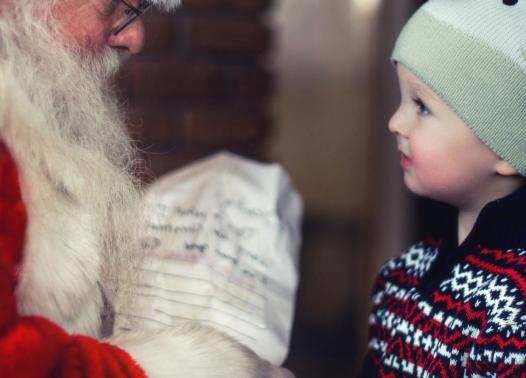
(200,85)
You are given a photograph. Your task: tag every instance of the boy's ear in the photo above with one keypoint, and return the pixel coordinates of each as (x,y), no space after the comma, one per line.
(504,168)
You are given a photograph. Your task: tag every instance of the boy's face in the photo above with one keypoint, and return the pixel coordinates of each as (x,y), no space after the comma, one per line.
(441,157)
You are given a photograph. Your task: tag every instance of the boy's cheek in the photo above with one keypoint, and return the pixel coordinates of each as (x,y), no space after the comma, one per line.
(434,169)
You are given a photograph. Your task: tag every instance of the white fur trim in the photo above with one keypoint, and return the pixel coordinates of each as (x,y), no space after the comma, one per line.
(194,351)
(60,275)
(166,4)
(61,267)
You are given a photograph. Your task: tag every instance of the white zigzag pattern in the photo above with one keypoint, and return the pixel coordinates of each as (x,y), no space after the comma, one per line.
(496,295)
(415,261)
(502,302)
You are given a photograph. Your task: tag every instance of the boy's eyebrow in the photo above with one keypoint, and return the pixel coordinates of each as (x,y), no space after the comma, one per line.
(423,90)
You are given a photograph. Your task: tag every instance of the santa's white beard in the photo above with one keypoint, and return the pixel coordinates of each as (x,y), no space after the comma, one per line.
(61,121)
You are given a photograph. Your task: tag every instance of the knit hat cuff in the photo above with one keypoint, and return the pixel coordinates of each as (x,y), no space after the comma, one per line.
(484,87)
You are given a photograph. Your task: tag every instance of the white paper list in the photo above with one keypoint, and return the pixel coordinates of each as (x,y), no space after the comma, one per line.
(222,239)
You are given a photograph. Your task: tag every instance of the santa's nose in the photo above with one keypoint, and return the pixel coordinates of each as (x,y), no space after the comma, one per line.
(130,38)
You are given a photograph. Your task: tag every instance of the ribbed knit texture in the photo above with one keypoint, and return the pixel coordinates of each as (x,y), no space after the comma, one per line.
(472,53)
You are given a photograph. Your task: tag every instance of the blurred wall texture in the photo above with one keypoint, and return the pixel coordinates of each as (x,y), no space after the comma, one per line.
(336,89)
(307,83)
(200,86)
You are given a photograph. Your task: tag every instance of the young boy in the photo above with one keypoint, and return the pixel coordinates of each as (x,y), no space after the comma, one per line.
(456,306)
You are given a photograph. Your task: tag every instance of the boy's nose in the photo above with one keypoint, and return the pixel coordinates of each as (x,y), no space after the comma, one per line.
(396,124)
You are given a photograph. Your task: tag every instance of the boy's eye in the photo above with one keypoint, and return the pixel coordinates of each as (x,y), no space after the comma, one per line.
(423,110)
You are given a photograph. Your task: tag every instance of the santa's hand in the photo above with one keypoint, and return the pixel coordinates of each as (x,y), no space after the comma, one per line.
(193,351)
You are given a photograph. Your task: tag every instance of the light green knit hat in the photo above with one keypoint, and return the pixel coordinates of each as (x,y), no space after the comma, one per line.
(472,53)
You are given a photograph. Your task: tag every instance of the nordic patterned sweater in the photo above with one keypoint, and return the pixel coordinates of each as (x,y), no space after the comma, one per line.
(442,310)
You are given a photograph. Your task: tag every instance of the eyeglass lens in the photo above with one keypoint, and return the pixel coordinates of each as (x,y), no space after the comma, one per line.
(130,13)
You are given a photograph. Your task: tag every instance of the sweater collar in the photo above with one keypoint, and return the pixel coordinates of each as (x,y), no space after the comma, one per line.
(501,223)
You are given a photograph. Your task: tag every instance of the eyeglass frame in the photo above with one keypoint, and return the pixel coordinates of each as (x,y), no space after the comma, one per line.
(136,14)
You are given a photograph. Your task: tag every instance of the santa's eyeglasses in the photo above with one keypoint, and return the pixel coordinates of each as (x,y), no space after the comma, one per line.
(130,13)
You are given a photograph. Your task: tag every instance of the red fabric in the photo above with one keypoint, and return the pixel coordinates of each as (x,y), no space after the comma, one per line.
(32,346)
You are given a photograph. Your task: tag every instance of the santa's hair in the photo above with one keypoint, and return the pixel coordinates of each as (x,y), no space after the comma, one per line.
(166,4)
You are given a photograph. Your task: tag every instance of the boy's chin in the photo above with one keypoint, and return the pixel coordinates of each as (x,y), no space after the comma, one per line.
(417,188)
(412,184)
(434,193)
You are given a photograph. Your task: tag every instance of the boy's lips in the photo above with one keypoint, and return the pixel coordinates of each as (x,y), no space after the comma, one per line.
(405,161)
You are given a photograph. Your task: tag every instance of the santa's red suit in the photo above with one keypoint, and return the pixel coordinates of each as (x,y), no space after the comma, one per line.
(32,346)
(37,281)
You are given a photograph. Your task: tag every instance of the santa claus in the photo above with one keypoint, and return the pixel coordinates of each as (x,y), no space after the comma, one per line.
(68,204)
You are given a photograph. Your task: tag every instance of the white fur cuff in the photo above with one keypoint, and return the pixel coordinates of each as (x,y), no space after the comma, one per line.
(194,351)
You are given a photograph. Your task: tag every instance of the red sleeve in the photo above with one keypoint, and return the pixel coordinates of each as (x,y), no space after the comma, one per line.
(31,346)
